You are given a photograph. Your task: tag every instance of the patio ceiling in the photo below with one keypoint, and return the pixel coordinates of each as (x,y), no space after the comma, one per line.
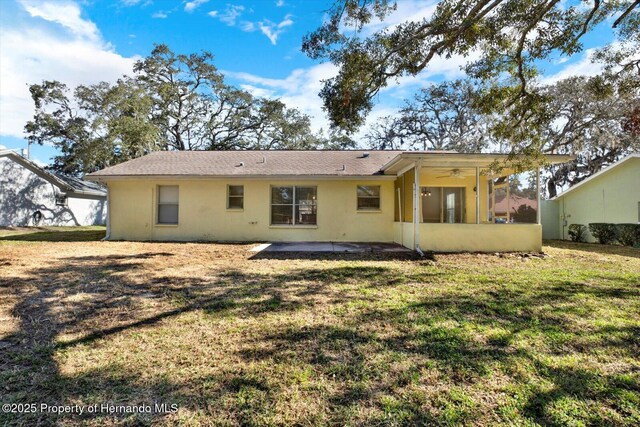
(448,161)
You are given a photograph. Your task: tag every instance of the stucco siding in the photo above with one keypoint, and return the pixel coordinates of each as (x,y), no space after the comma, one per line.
(612,198)
(203,213)
(23,192)
(87,210)
(550,217)
(481,237)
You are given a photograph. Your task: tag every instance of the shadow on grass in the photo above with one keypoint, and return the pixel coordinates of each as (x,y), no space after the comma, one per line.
(57,236)
(376,358)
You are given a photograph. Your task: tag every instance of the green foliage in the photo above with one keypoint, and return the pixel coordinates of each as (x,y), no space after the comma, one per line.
(577,232)
(439,117)
(596,119)
(605,233)
(511,36)
(525,214)
(628,234)
(173,102)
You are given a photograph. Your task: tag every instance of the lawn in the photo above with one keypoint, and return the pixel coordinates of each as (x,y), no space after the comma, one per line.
(355,339)
(52,234)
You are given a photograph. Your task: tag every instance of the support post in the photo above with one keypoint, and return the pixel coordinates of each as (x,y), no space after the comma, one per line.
(416,206)
(477,195)
(539,209)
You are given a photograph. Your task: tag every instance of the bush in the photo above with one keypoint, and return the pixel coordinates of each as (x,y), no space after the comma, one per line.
(605,233)
(577,232)
(628,234)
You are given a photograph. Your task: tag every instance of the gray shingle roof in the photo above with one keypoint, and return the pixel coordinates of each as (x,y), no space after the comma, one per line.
(64,182)
(252,163)
(81,185)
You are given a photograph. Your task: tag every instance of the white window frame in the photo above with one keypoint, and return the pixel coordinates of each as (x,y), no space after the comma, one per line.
(379,197)
(158,203)
(293,205)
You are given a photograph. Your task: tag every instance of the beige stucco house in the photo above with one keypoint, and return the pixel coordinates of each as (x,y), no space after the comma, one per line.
(439,201)
(610,196)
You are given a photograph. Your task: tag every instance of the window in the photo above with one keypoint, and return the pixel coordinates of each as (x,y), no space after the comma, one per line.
(61,199)
(443,204)
(293,206)
(235,199)
(368,197)
(168,196)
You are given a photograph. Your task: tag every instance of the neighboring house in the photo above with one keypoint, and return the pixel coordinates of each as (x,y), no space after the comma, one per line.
(611,196)
(423,200)
(30,195)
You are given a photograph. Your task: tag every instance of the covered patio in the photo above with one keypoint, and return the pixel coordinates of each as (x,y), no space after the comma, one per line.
(450,202)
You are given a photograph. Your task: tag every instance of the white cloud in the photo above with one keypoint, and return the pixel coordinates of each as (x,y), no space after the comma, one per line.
(258,92)
(229,15)
(65,14)
(247,26)
(581,67)
(279,3)
(273,30)
(299,89)
(190,6)
(408,10)
(65,48)
(160,15)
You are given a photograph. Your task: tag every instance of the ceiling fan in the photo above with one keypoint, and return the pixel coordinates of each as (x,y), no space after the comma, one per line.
(455,173)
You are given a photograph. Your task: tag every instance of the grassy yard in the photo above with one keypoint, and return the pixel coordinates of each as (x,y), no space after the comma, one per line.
(339,340)
(52,234)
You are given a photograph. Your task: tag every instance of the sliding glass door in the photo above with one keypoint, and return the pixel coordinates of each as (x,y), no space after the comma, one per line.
(443,204)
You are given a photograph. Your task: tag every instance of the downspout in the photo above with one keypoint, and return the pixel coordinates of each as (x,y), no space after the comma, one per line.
(416,207)
(108,235)
(477,195)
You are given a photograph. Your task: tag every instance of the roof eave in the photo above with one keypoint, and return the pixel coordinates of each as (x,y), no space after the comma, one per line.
(596,175)
(106,178)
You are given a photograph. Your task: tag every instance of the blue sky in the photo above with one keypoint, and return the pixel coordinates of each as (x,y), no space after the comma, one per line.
(255,43)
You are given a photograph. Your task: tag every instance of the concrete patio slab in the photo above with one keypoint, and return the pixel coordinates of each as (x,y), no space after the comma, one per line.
(329,247)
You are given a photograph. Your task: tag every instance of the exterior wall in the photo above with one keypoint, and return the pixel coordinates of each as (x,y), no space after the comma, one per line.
(87,210)
(22,192)
(403,234)
(203,214)
(613,197)
(481,237)
(550,218)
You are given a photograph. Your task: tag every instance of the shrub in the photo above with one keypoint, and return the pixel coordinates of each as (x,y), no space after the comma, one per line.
(628,234)
(605,233)
(577,232)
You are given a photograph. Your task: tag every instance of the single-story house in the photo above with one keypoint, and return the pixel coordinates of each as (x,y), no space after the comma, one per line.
(31,195)
(610,196)
(440,201)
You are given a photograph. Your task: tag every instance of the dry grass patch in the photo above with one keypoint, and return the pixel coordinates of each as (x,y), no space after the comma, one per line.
(348,340)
